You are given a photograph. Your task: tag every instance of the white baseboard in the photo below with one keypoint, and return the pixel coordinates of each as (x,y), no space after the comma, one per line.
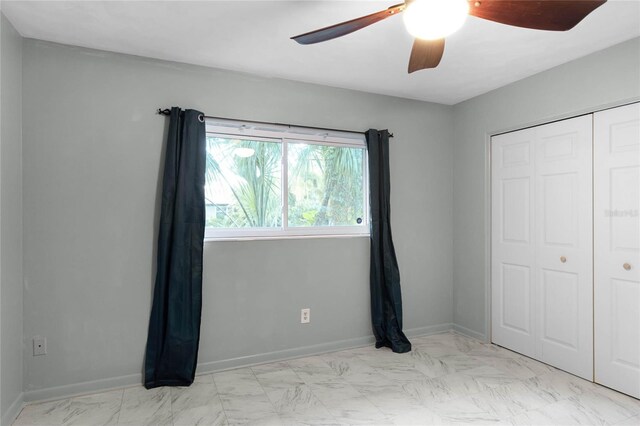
(426,331)
(247,361)
(101,385)
(250,360)
(13,411)
(470,333)
(82,388)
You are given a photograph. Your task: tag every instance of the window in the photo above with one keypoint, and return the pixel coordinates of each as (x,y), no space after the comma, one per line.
(278,181)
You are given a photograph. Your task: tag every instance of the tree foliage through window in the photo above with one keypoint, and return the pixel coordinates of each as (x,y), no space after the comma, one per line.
(244,184)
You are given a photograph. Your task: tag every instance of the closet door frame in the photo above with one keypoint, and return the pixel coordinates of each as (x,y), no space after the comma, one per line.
(487,336)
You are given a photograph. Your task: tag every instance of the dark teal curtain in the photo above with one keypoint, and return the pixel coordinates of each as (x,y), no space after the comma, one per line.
(174,327)
(386,300)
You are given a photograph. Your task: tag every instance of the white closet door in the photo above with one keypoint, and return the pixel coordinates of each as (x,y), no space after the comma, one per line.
(512,242)
(541,273)
(563,211)
(617,248)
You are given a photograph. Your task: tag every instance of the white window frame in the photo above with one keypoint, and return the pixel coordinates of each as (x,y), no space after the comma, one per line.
(289,134)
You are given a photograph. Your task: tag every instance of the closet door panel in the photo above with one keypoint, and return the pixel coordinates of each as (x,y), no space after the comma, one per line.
(512,264)
(625,230)
(617,248)
(564,287)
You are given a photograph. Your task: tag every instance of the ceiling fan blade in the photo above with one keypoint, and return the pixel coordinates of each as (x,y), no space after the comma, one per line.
(425,54)
(551,15)
(344,28)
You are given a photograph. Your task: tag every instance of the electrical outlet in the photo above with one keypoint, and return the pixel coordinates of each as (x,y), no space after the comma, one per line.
(39,345)
(305,316)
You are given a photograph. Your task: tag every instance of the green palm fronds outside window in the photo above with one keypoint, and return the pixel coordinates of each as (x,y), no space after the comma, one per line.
(244,184)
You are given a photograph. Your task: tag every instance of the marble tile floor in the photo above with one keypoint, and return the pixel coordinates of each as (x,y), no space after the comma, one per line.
(447,379)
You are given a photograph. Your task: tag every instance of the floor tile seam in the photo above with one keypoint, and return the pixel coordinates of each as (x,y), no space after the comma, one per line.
(275,409)
(121,405)
(171,406)
(312,392)
(224,412)
(384,415)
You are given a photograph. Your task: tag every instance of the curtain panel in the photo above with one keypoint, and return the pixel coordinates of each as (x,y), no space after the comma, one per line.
(386,299)
(174,326)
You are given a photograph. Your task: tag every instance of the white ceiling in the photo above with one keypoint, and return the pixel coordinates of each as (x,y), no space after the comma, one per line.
(253,37)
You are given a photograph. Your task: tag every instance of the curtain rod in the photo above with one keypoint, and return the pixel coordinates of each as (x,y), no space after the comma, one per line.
(167,111)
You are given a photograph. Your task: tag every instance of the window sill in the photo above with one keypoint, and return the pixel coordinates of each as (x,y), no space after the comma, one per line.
(282,237)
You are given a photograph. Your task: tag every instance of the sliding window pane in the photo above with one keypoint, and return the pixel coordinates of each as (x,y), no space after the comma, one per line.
(325,185)
(243,183)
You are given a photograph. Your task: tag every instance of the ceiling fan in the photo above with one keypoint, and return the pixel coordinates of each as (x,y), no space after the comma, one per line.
(430,21)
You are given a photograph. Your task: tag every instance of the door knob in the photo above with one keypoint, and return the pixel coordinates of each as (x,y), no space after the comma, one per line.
(627,267)
(563,259)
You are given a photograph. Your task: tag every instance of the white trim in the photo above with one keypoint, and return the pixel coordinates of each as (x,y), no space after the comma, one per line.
(470,333)
(487,192)
(428,330)
(102,385)
(304,351)
(284,135)
(560,117)
(280,235)
(251,129)
(13,411)
(341,144)
(213,234)
(284,182)
(487,240)
(366,205)
(83,388)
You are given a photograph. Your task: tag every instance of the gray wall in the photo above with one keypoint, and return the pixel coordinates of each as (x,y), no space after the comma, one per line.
(92,156)
(10,221)
(603,79)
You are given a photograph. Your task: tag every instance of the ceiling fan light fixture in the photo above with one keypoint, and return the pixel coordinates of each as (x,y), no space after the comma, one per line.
(435,19)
